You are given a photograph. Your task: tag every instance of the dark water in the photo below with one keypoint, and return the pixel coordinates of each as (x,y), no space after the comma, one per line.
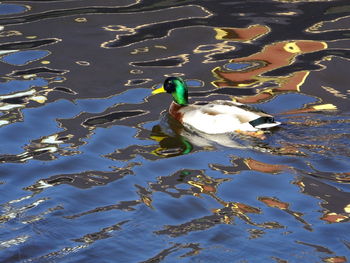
(93,170)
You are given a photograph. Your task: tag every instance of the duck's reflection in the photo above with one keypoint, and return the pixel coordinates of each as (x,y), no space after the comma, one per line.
(170,145)
(175,139)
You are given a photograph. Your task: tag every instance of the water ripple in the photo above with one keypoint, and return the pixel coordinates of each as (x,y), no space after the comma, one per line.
(92,166)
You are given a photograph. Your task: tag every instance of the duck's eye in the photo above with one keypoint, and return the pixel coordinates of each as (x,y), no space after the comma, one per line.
(169,86)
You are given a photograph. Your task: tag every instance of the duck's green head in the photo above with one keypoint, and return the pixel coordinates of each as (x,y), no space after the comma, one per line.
(177,88)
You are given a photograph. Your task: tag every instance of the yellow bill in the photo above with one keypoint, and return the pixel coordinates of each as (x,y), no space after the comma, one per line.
(159,90)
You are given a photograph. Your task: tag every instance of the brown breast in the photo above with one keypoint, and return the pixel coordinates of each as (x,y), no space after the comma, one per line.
(174,111)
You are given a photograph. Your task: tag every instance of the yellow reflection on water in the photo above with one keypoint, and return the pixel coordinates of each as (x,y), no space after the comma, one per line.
(81,20)
(206,184)
(213,49)
(167,16)
(166,62)
(10,33)
(248,34)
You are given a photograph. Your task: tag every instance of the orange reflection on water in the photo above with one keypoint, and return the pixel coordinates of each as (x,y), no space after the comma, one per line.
(334,217)
(239,165)
(275,203)
(248,71)
(265,167)
(230,210)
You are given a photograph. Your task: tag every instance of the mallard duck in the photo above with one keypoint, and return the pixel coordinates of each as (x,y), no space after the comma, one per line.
(216,117)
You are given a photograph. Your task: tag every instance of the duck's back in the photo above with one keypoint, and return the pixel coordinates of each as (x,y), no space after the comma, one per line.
(218,117)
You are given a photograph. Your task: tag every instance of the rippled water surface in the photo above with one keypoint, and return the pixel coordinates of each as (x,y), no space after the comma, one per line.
(94,170)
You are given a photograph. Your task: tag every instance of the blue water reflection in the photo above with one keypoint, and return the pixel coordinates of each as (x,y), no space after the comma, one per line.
(22,58)
(93,169)
(10,9)
(21,85)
